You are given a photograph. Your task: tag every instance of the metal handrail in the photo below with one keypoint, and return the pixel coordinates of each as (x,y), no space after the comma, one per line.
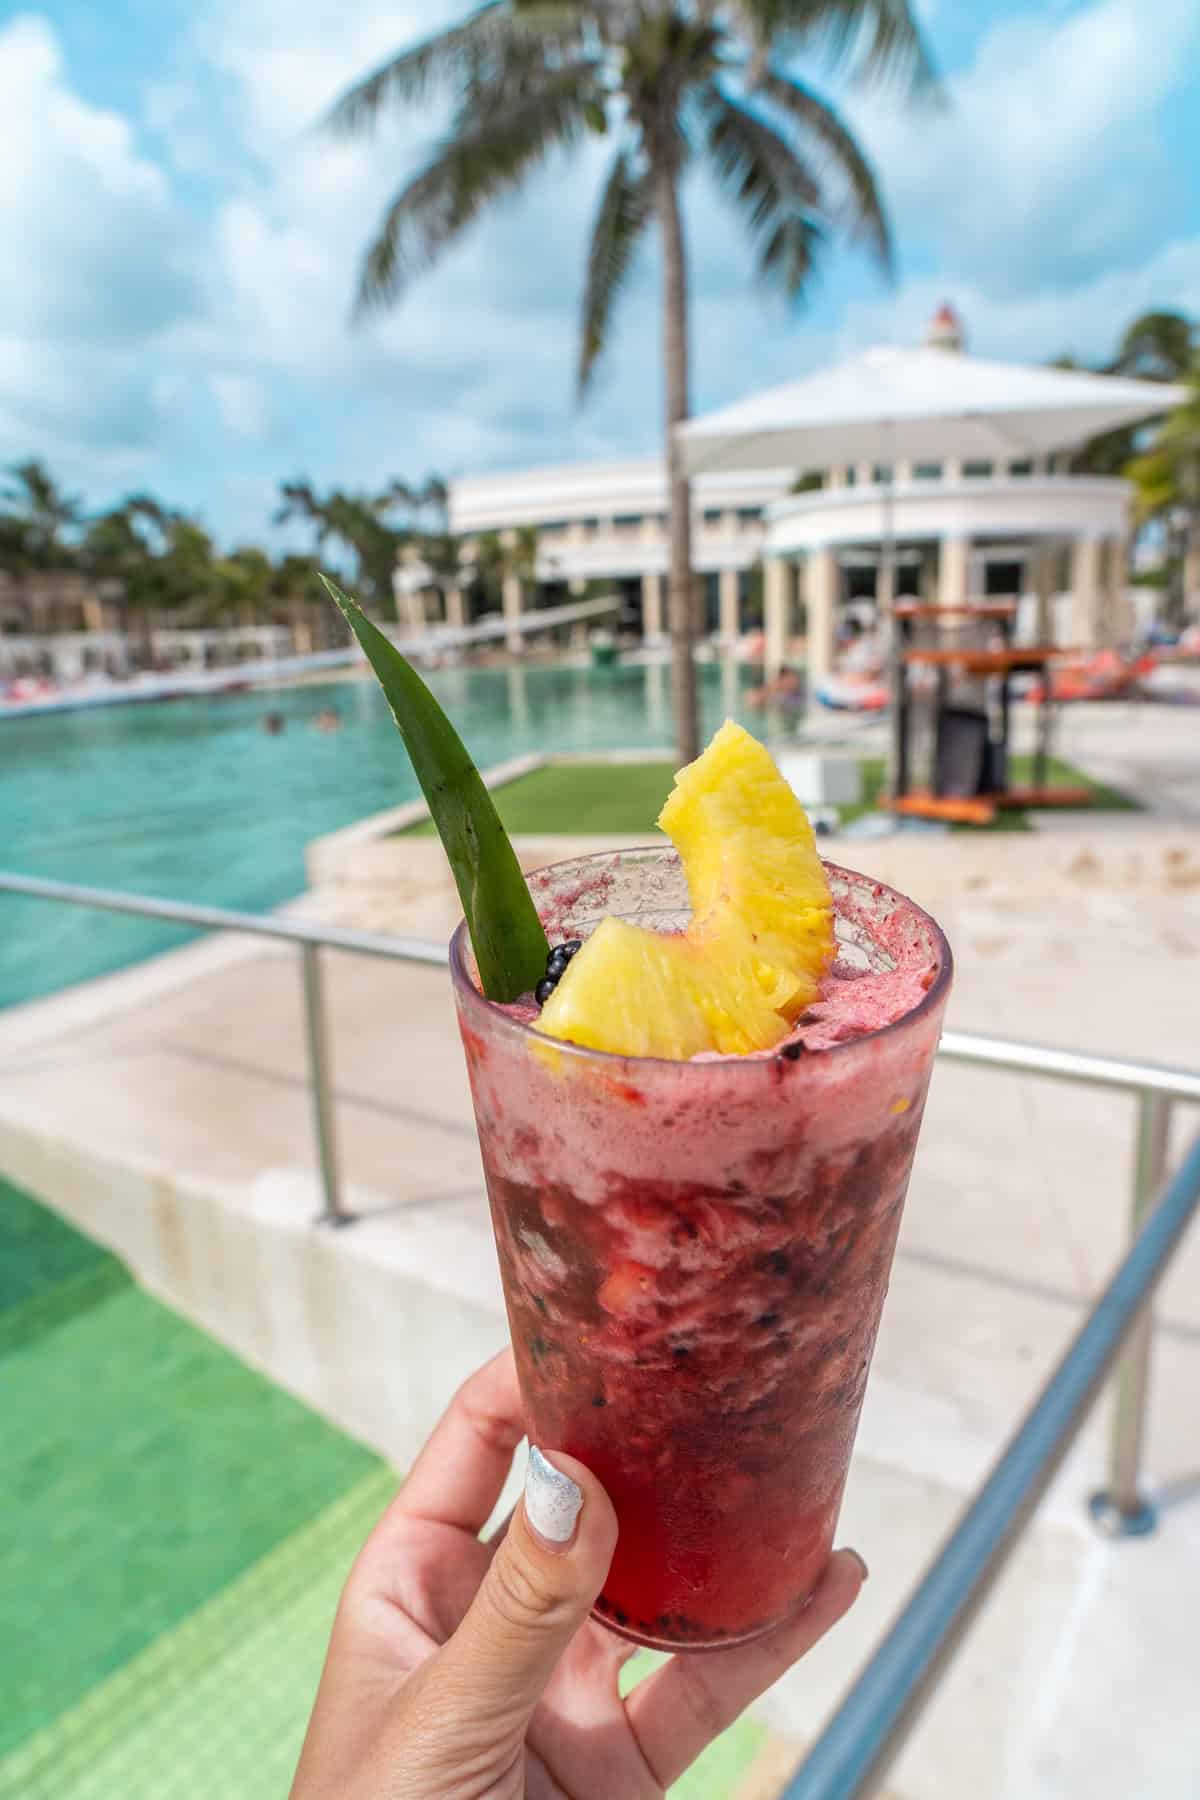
(862,1739)
(858,1745)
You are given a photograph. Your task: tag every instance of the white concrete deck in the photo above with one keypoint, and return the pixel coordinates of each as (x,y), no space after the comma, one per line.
(166,1111)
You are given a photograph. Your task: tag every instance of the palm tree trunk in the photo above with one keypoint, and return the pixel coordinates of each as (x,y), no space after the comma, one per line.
(681,604)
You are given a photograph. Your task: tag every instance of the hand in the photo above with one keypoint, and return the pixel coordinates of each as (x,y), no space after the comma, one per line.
(460,1670)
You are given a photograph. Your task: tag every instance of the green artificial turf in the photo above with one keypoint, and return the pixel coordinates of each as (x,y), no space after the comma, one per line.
(38,1250)
(144,1468)
(174,1535)
(626,798)
(218,1705)
(583,798)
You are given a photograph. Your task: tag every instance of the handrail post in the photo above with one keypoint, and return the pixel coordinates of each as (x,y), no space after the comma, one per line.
(332,1211)
(1121,1509)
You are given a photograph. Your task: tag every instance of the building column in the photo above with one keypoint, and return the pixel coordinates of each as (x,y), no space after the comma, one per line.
(456,611)
(776,612)
(953,565)
(1191,571)
(575,537)
(885,587)
(1085,592)
(1042,582)
(512,600)
(512,595)
(1116,625)
(820,599)
(652,608)
(728,598)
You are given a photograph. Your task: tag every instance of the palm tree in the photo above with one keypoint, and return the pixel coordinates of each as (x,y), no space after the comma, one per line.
(360,524)
(44,513)
(299,500)
(1166,480)
(670,80)
(1157,346)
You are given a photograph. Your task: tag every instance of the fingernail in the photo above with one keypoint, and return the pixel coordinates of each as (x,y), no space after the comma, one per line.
(860,1561)
(552,1499)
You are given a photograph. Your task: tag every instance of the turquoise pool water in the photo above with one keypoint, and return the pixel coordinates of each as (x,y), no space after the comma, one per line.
(192,800)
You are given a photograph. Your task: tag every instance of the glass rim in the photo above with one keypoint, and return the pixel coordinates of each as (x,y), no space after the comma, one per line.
(523,1032)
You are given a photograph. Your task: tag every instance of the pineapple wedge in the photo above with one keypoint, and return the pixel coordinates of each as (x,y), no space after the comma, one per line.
(761,935)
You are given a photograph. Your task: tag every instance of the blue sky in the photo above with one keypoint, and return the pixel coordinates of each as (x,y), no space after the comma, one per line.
(182,245)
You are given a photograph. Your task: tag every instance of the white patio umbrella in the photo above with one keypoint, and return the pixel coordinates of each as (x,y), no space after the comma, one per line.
(923,404)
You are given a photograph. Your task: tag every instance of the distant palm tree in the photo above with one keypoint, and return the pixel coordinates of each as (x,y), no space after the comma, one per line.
(43,514)
(1166,479)
(1157,346)
(671,80)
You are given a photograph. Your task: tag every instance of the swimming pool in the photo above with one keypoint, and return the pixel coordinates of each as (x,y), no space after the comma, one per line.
(193,800)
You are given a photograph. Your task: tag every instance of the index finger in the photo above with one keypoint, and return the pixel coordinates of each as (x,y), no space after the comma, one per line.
(457,1478)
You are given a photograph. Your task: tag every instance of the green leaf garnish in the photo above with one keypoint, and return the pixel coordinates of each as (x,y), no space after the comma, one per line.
(506,934)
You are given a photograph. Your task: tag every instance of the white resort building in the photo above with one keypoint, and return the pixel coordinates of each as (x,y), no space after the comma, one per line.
(943,474)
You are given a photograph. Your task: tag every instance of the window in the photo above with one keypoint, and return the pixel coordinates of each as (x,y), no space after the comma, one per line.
(590,525)
(977,471)
(1023,466)
(712,515)
(852,475)
(749,515)
(627,521)
(882,472)
(552,528)
(927,471)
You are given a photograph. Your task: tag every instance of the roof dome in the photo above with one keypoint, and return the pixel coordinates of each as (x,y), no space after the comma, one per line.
(945,330)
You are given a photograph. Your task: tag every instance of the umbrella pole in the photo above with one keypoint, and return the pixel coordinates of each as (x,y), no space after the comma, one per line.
(898,771)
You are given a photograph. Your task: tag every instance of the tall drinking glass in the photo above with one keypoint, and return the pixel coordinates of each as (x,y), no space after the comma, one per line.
(695,1254)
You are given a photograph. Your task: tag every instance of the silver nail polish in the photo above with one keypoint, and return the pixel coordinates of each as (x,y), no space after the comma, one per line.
(552,1499)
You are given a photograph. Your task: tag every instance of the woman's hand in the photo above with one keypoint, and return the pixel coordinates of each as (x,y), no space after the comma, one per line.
(459,1669)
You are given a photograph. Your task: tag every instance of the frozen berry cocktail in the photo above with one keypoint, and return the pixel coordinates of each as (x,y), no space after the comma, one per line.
(697,1131)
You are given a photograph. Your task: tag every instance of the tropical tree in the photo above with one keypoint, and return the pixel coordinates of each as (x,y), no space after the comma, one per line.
(1156,346)
(672,82)
(40,516)
(363,524)
(497,555)
(114,554)
(242,584)
(1166,479)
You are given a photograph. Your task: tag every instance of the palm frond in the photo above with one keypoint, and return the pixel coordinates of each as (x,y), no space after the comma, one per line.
(768,183)
(463,56)
(625,208)
(879,39)
(483,159)
(447,56)
(865,215)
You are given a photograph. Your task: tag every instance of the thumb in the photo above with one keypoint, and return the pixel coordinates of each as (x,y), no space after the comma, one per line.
(539,1588)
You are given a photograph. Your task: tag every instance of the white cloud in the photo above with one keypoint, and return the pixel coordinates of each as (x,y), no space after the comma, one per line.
(1084,319)
(242,405)
(98,255)
(1047,163)
(290,60)
(1042,196)
(96,267)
